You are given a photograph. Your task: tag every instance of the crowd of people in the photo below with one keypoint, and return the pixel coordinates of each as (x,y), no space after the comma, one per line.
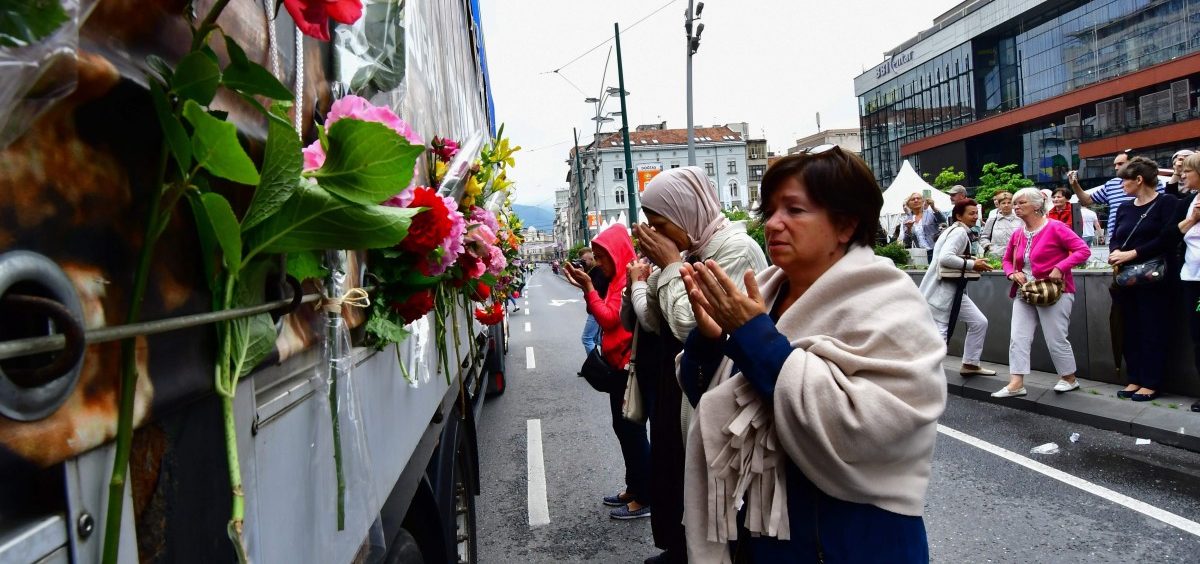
(790,405)
(1154,248)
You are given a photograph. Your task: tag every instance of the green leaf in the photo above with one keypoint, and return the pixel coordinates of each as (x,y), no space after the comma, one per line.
(208,240)
(215,146)
(306,265)
(249,77)
(160,67)
(281,167)
(196,78)
(225,228)
(252,338)
(385,330)
(314,219)
(173,132)
(366,161)
(23,22)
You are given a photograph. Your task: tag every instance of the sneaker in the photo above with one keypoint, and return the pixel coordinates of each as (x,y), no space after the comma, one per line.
(976,371)
(616,500)
(1196,406)
(1065,386)
(625,514)
(1007,393)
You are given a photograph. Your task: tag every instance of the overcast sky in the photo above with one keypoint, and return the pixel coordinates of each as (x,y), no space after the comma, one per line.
(771,63)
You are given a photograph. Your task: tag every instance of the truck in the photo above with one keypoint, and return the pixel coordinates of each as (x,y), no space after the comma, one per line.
(79,144)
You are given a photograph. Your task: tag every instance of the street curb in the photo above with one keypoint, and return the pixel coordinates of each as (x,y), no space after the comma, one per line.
(1094,404)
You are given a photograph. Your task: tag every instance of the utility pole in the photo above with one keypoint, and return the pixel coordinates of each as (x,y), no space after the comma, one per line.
(579,182)
(693,44)
(631,188)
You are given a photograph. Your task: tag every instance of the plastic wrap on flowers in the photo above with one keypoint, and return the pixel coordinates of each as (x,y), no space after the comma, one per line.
(372,50)
(38,45)
(346,496)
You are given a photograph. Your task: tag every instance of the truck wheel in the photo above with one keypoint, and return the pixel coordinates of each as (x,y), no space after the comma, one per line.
(404,550)
(464,507)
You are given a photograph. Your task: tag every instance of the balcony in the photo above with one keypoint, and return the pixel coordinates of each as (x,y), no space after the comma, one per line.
(1090,133)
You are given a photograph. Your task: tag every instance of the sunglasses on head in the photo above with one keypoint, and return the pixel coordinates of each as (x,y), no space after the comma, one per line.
(820,149)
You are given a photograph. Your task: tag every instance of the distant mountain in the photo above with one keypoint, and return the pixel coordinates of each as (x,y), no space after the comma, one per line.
(535,216)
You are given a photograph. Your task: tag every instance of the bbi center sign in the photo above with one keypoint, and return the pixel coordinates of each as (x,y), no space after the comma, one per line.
(646,173)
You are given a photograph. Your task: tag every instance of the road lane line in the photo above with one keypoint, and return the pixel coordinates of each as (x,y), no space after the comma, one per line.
(529,364)
(539,508)
(527,327)
(1077,482)
(526,310)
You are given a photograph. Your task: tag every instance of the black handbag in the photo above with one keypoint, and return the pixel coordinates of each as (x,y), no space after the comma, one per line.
(1153,269)
(601,376)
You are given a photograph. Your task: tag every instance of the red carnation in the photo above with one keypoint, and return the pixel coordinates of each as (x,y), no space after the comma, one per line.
(430,227)
(312,16)
(482,292)
(415,307)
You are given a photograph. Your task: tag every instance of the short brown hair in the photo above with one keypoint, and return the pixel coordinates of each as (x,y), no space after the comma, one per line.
(962,206)
(836,180)
(1140,166)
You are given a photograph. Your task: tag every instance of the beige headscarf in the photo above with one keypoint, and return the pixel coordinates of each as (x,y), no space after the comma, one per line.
(687,198)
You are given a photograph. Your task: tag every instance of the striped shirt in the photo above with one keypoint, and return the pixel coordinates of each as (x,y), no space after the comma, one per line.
(1112,195)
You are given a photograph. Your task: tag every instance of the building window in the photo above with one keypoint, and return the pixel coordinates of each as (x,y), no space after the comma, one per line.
(618,173)
(732,167)
(674,165)
(710,169)
(619,195)
(733,188)
(756,171)
(753,194)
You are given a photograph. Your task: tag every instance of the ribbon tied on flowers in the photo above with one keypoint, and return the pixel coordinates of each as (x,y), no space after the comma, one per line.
(354,297)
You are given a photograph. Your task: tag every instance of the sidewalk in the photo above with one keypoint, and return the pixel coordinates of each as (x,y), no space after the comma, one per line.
(1167,420)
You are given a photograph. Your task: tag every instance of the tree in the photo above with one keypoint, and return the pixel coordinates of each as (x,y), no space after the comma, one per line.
(573,252)
(996,178)
(948,178)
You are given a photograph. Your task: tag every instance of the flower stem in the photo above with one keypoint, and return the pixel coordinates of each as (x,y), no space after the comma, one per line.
(238,514)
(337,449)
(124,440)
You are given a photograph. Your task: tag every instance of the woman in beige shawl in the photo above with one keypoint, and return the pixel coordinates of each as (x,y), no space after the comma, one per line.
(815,436)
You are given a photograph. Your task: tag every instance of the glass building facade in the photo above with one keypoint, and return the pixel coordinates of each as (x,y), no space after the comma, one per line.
(1051,50)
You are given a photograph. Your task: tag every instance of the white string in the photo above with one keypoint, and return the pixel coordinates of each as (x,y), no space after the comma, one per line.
(298,120)
(272,42)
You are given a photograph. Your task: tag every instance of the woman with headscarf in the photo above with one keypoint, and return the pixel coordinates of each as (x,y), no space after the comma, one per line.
(685,216)
(685,220)
(613,251)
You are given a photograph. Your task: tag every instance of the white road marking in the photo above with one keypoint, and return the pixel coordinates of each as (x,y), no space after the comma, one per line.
(539,509)
(526,326)
(526,310)
(529,364)
(1077,482)
(557,303)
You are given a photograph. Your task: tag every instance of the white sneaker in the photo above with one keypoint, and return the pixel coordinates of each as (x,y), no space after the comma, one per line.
(976,371)
(1007,393)
(1065,386)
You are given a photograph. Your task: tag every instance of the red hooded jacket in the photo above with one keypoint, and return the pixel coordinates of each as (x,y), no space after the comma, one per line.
(614,339)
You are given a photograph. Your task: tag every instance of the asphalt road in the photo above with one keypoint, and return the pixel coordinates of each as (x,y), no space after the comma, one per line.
(981,506)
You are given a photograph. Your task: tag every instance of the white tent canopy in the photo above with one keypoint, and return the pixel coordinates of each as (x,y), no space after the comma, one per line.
(906,183)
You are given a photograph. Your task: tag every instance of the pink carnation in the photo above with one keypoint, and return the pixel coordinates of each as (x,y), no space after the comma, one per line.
(452,246)
(357,107)
(496,261)
(480,215)
(482,235)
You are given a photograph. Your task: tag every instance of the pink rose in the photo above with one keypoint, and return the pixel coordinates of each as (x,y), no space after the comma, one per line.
(357,107)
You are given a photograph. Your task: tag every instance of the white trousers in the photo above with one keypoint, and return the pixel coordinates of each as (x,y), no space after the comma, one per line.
(1055,320)
(977,326)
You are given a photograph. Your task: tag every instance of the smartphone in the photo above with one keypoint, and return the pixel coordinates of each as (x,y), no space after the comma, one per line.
(926,193)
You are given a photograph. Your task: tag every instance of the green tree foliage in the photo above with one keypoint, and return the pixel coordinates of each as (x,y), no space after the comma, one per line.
(573,253)
(894,251)
(948,178)
(754,227)
(996,178)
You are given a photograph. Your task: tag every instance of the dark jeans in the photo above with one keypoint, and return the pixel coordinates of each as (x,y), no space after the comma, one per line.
(635,448)
(1144,330)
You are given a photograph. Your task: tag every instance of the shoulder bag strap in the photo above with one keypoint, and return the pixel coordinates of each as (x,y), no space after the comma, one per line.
(1139,223)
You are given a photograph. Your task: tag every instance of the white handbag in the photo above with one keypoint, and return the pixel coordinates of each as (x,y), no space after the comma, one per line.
(633,407)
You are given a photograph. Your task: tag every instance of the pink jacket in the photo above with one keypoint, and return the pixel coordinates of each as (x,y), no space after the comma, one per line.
(1056,245)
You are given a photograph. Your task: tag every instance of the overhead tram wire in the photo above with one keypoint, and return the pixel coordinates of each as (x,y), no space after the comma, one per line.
(602,43)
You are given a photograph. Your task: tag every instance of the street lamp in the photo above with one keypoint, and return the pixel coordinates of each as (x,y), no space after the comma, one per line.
(693,45)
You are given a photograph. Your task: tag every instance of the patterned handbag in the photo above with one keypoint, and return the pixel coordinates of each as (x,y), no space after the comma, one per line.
(1148,271)
(1041,292)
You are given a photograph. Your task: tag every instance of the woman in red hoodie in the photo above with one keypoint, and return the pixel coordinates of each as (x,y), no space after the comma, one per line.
(613,250)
